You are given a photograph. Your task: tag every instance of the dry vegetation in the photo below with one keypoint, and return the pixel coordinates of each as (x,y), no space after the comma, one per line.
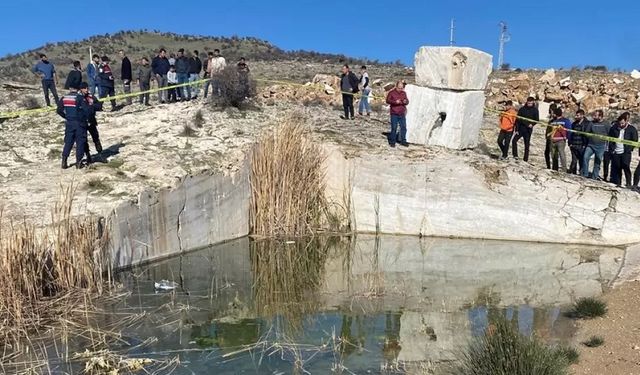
(287,182)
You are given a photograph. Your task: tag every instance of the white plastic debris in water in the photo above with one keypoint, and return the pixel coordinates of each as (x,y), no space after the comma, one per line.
(165,285)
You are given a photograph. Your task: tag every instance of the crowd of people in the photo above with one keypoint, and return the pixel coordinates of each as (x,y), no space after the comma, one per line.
(581,139)
(177,76)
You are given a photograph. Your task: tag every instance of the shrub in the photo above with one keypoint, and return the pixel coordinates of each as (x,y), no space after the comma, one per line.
(187,131)
(594,342)
(588,308)
(30,102)
(503,351)
(236,88)
(569,353)
(198,119)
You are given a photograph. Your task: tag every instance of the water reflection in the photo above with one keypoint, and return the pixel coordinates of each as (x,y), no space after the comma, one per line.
(364,304)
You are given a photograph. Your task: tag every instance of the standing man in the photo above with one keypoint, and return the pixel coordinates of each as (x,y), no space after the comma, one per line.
(559,136)
(182,70)
(215,67)
(47,73)
(160,66)
(126,75)
(577,142)
(621,153)
(92,123)
(507,123)
(349,87)
(398,101)
(144,80)
(207,74)
(74,79)
(550,158)
(92,74)
(107,82)
(195,67)
(75,110)
(528,116)
(366,90)
(595,146)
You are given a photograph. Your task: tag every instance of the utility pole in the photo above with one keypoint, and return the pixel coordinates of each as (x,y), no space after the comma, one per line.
(451,29)
(504,38)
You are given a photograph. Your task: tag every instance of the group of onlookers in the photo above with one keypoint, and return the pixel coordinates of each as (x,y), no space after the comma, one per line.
(181,70)
(585,139)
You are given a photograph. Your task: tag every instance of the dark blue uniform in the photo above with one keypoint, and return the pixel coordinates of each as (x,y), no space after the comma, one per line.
(92,127)
(74,108)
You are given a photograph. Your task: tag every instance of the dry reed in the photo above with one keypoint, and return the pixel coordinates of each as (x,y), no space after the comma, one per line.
(43,269)
(288,181)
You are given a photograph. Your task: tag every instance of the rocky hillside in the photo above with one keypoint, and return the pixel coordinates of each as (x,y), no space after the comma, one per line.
(16,67)
(587,89)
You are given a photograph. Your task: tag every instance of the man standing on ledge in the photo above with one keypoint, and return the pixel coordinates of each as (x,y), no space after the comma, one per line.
(524,128)
(507,122)
(349,87)
(47,72)
(126,75)
(397,100)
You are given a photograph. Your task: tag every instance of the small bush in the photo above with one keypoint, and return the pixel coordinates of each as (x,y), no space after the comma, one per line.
(98,185)
(569,353)
(503,351)
(594,342)
(588,308)
(198,119)
(187,131)
(30,102)
(236,88)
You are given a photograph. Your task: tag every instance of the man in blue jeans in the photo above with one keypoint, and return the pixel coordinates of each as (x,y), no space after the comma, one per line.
(364,106)
(47,72)
(182,71)
(397,100)
(595,146)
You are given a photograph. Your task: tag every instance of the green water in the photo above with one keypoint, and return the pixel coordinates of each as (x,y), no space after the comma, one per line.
(365,306)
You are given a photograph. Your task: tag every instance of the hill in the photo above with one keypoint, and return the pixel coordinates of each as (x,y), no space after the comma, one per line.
(142,43)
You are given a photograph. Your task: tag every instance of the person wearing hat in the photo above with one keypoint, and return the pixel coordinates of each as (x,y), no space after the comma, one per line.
(74,109)
(105,76)
(92,123)
(528,116)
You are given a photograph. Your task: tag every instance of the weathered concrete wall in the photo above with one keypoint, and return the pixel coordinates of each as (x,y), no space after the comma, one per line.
(201,211)
(472,196)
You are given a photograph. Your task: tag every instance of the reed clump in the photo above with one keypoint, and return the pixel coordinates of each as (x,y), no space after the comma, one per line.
(40,267)
(288,181)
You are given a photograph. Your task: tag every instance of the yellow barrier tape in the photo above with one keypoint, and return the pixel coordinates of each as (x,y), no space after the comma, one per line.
(591,135)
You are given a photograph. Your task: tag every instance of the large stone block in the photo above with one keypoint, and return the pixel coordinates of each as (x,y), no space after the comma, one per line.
(462,113)
(453,68)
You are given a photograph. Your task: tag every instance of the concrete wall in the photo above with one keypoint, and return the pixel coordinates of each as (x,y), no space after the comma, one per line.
(201,211)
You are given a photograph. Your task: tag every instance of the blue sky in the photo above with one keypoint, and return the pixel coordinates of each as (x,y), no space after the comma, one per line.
(544,33)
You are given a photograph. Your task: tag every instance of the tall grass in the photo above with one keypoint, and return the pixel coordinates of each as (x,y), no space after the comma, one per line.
(287,181)
(503,351)
(41,266)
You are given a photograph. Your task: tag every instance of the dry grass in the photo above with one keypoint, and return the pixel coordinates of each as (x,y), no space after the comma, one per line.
(43,269)
(287,181)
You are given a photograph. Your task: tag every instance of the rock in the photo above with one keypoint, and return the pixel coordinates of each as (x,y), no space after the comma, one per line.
(635,74)
(377,82)
(543,110)
(388,86)
(463,113)
(592,102)
(549,76)
(326,79)
(554,95)
(455,68)
(618,81)
(578,96)
(565,82)
(329,90)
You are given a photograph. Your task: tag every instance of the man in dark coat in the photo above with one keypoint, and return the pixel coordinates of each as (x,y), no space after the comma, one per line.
(528,116)
(349,87)
(126,75)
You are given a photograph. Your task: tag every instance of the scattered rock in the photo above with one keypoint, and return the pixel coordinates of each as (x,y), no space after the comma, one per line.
(635,74)
(618,81)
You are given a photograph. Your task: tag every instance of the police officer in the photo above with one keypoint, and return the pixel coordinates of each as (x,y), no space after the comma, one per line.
(105,77)
(92,125)
(74,109)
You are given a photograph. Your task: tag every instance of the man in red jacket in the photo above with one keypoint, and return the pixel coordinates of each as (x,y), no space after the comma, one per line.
(397,100)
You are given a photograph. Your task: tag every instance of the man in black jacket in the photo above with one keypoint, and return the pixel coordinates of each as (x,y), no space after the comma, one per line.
(524,128)
(74,79)
(126,75)
(349,87)
(621,153)
(195,66)
(578,142)
(160,66)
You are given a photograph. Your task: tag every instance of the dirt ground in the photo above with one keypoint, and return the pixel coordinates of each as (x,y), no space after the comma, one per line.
(620,328)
